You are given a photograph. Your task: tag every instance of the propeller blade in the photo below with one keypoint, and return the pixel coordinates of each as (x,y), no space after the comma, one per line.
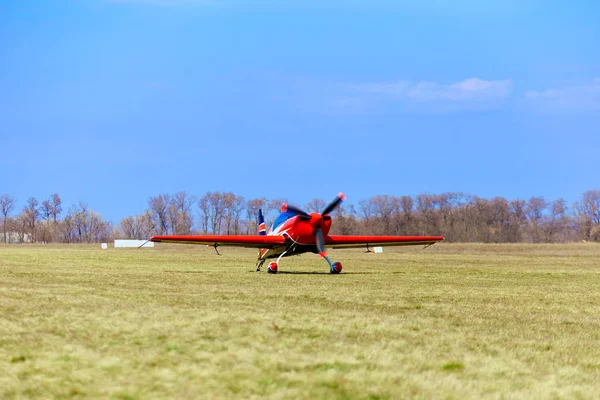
(296,210)
(334,204)
(320,241)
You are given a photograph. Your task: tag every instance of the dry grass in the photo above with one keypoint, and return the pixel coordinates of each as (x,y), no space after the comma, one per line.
(453,321)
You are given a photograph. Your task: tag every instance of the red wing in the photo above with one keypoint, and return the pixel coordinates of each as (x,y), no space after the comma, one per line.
(256,241)
(340,242)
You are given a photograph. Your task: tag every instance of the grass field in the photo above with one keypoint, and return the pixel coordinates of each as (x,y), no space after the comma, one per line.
(451,321)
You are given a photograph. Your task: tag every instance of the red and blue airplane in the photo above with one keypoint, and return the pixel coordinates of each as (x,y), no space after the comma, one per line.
(295,232)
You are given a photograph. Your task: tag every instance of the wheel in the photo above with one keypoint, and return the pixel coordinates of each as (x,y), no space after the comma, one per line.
(272,268)
(336,268)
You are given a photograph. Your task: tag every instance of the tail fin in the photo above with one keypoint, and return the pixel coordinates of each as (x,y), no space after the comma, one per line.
(262,228)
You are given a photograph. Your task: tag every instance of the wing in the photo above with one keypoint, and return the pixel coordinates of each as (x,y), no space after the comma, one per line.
(340,242)
(255,241)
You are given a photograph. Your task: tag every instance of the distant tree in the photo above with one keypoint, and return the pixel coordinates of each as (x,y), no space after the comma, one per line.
(22,228)
(315,205)
(55,206)
(405,215)
(146,226)
(49,211)
(590,203)
(445,206)
(518,220)
(128,228)
(7,204)
(381,208)
(172,218)
(217,210)
(212,211)
(232,210)
(365,209)
(158,206)
(138,227)
(499,220)
(274,206)
(31,214)
(252,207)
(555,223)
(535,211)
(86,226)
(426,207)
(345,222)
(587,215)
(204,207)
(183,221)
(45,234)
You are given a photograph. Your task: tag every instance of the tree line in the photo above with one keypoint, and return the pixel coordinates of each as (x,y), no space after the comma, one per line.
(459,217)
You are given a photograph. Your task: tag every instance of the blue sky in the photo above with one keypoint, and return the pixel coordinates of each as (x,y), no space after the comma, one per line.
(112,101)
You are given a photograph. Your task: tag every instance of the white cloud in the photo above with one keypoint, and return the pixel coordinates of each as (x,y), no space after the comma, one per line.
(472,89)
(471,93)
(575,97)
(468,90)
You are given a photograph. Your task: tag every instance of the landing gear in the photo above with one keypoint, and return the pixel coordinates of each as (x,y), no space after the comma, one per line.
(259,264)
(272,268)
(334,268)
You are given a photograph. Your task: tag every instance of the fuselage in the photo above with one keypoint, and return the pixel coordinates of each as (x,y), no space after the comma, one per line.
(299,230)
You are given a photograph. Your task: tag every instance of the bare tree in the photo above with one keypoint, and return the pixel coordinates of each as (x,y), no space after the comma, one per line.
(234,206)
(128,228)
(275,207)
(252,207)
(85,225)
(556,222)
(7,204)
(535,211)
(45,213)
(315,205)
(158,205)
(204,207)
(590,203)
(217,207)
(55,206)
(138,227)
(587,215)
(31,214)
(212,211)
(426,207)
(518,220)
(404,206)
(182,202)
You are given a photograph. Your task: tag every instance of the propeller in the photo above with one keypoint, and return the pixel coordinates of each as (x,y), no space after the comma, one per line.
(295,210)
(320,238)
(334,204)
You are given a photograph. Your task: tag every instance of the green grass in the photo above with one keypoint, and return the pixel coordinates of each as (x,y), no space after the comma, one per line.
(452,321)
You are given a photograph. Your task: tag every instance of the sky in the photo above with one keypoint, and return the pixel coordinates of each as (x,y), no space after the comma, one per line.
(110,102)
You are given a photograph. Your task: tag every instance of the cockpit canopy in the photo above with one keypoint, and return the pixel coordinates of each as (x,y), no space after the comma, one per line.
(284,216)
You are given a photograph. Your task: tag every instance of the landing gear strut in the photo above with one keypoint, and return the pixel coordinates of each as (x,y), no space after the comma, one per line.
(334,268)
(259,264)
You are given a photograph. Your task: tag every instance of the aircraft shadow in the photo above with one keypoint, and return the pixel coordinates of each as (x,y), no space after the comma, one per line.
(320,273)
(279,272)
(187,272)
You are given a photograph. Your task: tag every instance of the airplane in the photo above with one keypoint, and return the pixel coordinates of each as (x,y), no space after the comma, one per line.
(295,232)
